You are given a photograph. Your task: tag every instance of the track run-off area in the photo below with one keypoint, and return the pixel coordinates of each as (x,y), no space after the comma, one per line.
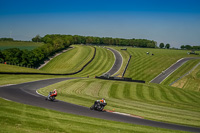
(26,93)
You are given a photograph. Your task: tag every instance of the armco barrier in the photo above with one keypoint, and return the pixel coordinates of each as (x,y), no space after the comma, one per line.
(126,66)
(120,79)
(27,73)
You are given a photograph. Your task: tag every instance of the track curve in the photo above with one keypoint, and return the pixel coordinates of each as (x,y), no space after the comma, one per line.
(118,62)
(26,93)
(171,69)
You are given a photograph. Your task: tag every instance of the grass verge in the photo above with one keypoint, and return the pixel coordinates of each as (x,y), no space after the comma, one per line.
(21,118)
(16,79)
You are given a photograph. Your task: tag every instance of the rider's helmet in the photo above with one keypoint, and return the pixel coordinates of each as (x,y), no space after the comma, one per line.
(103,98)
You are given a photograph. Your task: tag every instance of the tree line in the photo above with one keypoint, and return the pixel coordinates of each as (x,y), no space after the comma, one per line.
(76,39)
(56,42)
(188,47)
(6,39)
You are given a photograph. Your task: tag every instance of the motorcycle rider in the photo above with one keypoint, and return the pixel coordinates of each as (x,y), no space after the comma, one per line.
(54,93)
(99,105)
(101,101)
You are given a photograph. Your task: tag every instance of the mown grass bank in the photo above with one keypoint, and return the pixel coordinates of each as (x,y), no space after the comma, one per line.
(185,68)
(145,66)
(190,81)
(70,61)
(151,101)
(21,118)
(101,64)
(19,44)
(14,68)
(6,79)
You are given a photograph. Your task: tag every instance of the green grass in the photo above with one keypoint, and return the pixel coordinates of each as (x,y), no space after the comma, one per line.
(151,101)
(146,67)
(186,67)
(21,118)
(70,61)
(13,68)
(102,63)
(191,81)
(20,45)
(16,79)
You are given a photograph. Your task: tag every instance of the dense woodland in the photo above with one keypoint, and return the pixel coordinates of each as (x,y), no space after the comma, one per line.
(56,42)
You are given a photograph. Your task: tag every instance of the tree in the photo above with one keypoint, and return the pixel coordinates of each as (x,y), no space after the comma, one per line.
(167,46)
(188,47)
(182,47)
(37,38)
(162,45)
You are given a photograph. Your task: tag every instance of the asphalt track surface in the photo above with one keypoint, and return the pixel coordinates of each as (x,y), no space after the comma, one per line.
(26,93)
(118,62)
(171,69)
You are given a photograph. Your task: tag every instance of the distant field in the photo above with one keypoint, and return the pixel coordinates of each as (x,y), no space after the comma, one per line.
(151,101)
(191,81)
(21,45)
(145,66)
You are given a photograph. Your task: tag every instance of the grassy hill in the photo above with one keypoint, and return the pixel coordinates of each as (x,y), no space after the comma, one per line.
(70,61)
(151,101)
(19,44)
(191,81)
(145,66)
(102,63)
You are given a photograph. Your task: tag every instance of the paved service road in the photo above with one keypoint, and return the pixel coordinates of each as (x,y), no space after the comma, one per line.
(171,69)
(118,62)
(26,93)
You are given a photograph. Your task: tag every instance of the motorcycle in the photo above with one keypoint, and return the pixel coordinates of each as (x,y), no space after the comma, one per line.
(98,106)
(51,97)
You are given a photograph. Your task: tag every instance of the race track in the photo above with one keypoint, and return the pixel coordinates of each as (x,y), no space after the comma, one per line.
(170,70)
(118,62)
(26,93)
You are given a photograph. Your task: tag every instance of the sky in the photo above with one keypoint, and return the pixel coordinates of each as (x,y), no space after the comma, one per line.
(176,22)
